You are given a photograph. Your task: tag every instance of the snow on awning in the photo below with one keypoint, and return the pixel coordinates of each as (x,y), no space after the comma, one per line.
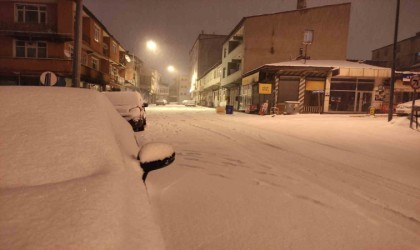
(341,67)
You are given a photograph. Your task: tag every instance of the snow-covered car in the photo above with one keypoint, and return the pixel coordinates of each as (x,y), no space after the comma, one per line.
(161,102)
(131,106)
(405,108)
(70,175)
(190,103)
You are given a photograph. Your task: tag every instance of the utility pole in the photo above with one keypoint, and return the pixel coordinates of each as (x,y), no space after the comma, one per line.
(77,54)
(394,53)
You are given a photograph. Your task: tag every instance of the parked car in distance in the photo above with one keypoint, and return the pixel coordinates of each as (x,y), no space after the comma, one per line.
(70,178)
(130,105)
(189,103)
(161,102)
(405,108)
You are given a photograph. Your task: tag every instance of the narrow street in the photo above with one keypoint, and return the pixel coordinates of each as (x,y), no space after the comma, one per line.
(286,182)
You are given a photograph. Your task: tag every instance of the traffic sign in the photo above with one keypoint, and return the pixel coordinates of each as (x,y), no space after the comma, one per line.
(415,82)
(48,78)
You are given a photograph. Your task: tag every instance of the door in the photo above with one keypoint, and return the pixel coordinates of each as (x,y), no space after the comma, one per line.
(363,101)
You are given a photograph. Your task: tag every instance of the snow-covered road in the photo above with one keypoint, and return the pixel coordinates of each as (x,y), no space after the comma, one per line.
(286,182)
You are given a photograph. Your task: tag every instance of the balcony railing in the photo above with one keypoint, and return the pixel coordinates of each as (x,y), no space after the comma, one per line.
(30,27)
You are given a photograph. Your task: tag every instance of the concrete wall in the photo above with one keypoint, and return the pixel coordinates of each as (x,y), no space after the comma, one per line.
(278,37)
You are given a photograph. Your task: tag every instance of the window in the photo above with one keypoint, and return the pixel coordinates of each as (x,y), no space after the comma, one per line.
(224,72)
(224,52)
(97,31)
(114,47)
(95,63)
(28,49)
(84,59)
(30,13)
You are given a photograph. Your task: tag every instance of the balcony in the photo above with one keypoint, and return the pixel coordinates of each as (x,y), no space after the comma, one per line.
(34,31)
(28,27)
(36,66)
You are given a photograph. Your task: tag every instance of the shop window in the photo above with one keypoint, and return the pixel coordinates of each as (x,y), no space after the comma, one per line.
(30,13)
(28,49)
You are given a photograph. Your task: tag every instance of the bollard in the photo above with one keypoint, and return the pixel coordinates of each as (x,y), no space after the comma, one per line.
(372,111)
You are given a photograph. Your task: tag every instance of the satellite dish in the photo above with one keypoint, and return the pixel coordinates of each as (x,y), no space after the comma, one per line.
(105,46)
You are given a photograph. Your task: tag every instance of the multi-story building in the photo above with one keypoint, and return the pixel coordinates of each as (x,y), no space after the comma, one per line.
(204,54)
(150,79)
(162,91)
(133,71)
(407,57)
(179,90)
(210,93)
(37,36)
(278,37)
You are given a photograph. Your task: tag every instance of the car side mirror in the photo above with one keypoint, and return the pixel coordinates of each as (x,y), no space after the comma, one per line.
(145,104)
(154,156)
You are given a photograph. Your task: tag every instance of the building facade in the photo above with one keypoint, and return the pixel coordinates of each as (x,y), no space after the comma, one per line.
(407,57)
(37,36)
(204,54)
(278,37)
(318,86)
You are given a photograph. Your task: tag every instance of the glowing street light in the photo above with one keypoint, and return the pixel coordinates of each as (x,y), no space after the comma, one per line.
(151,45)
(171,68)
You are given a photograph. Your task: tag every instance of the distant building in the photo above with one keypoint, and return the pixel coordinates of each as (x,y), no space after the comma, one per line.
(37,36)
(278,37)
(179,90)
(407,57)
(162,92)
(204,54)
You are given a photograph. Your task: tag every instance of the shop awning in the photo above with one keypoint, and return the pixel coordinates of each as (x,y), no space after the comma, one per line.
(321,68)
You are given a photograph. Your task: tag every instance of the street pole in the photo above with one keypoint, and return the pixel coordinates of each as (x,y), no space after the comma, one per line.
(394,52)
(77,54)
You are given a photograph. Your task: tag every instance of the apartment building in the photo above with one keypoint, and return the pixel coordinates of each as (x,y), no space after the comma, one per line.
(37,36)
(179,90)
(407,57)
(278,37)
(211,95)
(204,54)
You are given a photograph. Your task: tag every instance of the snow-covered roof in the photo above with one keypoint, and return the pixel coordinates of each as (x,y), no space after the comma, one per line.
(344,68)
(347,68)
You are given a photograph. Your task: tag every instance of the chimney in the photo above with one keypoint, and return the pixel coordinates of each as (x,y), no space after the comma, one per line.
(301,4)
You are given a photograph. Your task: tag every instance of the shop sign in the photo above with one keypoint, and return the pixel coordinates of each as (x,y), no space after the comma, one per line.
(264,88)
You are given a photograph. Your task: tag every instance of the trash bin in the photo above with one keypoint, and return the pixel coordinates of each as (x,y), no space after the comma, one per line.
(229,109)
(291,107)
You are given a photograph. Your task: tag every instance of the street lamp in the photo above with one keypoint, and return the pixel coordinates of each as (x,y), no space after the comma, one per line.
(171,68)
(151,45)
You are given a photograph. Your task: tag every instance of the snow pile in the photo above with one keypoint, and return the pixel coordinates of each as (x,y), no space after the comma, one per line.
(69,174)
(155,151)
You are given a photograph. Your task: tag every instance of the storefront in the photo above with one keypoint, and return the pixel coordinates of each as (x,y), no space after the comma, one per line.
(318,85)
(350,95)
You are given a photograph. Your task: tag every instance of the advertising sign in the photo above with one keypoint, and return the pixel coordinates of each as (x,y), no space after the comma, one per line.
(264,88)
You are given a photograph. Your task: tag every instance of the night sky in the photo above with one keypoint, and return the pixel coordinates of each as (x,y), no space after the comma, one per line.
(175,24)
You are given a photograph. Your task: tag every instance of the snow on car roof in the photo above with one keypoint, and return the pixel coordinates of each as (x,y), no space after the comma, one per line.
(70,178)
